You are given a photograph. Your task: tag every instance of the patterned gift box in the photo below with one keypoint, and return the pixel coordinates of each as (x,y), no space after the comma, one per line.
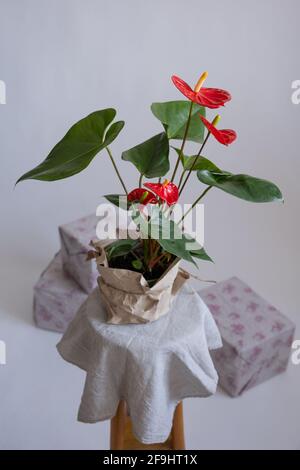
(75,239)
(57,297)
(256,337)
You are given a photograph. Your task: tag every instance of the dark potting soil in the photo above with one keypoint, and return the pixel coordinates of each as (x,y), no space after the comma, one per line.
(125,262)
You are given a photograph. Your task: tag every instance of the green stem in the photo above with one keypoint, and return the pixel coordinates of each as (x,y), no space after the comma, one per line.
(181,178)
(140,180)
(195,203)
(137,257)
(183,141)
(116,169)
(193,164)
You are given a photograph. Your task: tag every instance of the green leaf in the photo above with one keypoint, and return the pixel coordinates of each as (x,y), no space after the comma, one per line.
(137,264)
(174,116)
(121,248)
(200,254)
(151,158)
(244,187)
(202,163)
(115,199)
(113,132)
(168,234)
(78,147)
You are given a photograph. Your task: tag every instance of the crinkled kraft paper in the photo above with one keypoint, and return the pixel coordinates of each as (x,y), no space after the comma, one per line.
(127,295)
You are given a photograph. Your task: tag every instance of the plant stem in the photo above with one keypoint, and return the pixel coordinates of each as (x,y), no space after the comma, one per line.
(145,249)
(183,141)
(181,178)
(136,256)
(150,252)
(157,260)
(116,169)
(193,164)
(195,203)
(156,250)
(140,180)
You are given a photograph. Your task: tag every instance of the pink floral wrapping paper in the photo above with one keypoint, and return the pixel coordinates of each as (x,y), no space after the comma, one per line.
(57,297)
(75,238)
(256,337)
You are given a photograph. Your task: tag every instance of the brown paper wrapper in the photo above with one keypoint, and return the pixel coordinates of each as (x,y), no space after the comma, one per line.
(127,295)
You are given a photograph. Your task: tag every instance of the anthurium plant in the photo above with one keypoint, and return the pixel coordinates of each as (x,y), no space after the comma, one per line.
(151,203)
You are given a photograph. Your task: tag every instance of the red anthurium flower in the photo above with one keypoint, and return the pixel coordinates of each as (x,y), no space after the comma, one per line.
(208,97)
(224,136)
(167,191)
(142,196)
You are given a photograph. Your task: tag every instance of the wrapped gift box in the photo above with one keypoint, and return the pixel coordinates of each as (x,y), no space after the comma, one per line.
(57,297)
(75,239)
(256,337)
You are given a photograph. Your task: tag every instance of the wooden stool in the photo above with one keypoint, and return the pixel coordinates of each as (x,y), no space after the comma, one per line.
(121,437)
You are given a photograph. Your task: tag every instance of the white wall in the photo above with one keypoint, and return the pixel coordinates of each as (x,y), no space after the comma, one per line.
(62,59)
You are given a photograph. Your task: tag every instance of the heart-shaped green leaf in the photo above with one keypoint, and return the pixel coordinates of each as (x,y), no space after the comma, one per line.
(168,234)
(121,248)
(200,254)
(165,231)
(151,158)
(119,200)
(244,187)
(174,115)
(201,163)
(78,147)
(113,132)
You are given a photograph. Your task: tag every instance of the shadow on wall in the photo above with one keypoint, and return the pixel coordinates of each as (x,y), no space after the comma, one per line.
(19,274)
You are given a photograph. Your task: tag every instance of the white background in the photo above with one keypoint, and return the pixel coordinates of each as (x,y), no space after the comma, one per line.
(62,59)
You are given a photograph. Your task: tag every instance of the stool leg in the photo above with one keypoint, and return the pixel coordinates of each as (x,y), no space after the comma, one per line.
(177,434)
(117,427)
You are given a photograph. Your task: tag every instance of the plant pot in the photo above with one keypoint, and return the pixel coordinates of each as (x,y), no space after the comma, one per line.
(127,295)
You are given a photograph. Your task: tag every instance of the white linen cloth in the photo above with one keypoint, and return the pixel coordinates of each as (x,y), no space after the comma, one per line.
(151,366)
